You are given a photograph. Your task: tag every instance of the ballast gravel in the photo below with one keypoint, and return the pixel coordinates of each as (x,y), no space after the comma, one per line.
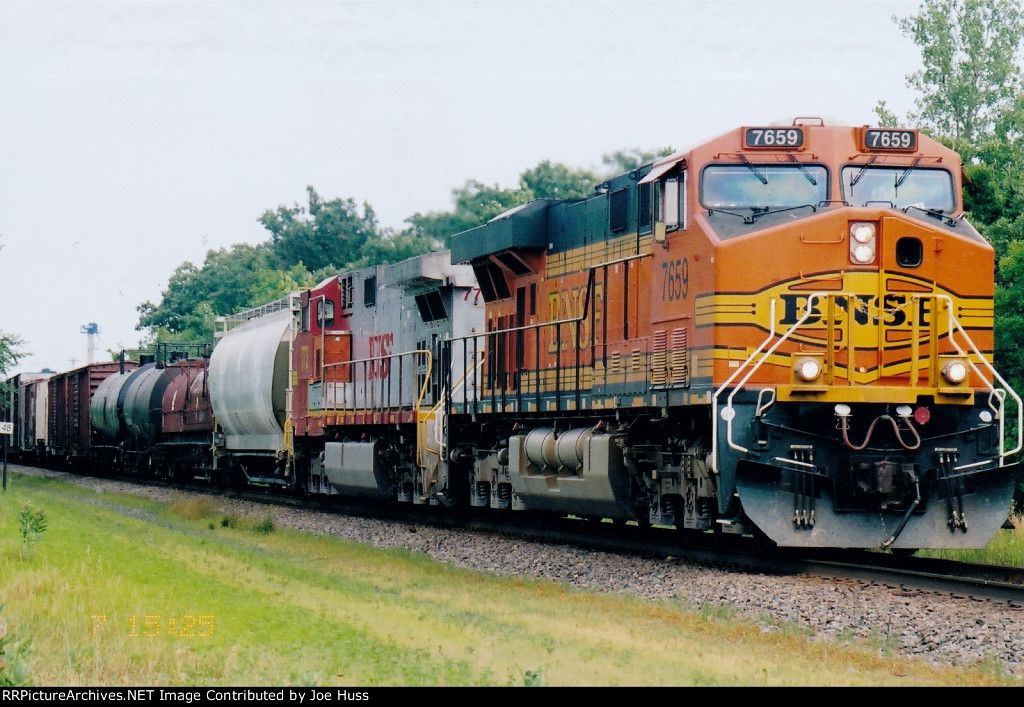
(938,627)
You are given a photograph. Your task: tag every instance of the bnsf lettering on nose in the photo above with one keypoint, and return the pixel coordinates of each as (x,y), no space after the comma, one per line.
(865,309)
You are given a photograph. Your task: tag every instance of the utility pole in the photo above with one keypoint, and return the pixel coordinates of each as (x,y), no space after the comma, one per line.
(91,330)
(7,431)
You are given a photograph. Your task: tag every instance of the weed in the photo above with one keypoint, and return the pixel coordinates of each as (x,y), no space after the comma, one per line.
(13,658)
(192,507)
(31,525)
(229,521)
(533,678)
(264,525)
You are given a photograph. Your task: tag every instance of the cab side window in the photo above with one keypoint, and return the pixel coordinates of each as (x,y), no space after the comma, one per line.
(325,313)
(671,201)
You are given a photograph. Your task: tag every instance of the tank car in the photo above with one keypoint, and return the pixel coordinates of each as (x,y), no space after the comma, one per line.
(127,413)
(185,447)
(106,411)
(250,389)
(784,330)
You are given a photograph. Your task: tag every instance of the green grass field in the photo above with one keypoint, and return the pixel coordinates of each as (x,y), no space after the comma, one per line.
(124,591)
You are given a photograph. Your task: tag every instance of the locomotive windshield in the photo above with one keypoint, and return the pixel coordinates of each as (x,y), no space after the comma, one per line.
(930,189)
(763,186)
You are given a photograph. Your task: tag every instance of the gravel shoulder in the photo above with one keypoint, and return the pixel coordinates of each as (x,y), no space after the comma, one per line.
(940,628)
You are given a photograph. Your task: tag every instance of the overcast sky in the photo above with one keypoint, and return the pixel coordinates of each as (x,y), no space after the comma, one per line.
(137,135)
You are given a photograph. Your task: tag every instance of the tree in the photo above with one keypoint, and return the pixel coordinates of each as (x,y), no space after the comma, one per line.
(324,233)
(307,244)
(970,78)
(556,181)
(475,203)
(10,354)
(228,281)
(622,161)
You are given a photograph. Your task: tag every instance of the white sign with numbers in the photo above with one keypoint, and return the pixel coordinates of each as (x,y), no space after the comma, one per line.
(6,428)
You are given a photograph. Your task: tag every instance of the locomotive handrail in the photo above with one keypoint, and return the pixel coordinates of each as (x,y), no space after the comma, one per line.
(953,326)
(995,375)
(556,323)
(439,439)
(290,302)
(730,379)
(379,359)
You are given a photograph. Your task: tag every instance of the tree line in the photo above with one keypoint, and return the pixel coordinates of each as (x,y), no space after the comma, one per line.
(970,97)
(312,241)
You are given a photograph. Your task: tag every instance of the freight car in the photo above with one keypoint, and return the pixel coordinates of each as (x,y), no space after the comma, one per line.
(142,413)
(785,330)
(25,407)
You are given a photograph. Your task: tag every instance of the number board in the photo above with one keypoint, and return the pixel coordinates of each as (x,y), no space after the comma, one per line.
(6,428)
(774,138)
(876,139)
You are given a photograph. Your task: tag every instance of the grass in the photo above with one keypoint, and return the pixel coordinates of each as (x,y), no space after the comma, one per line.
(122,590)
(1006,549)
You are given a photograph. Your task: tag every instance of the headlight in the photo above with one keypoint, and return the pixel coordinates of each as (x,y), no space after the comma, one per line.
(862,243)
(955,372)
(808,369)
(862,232)
(863,254)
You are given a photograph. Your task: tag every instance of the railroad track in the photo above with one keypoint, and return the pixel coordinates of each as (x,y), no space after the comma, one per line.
(912,574)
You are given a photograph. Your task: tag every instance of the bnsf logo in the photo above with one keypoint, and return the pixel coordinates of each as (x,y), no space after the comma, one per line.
(571,304)
(892,312)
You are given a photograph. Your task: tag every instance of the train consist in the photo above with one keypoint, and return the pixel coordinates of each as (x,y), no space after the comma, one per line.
(785,330)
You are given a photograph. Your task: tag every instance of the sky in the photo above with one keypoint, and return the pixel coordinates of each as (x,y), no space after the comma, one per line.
(136,136)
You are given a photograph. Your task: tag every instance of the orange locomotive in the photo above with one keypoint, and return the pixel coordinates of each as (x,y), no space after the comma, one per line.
(786,329)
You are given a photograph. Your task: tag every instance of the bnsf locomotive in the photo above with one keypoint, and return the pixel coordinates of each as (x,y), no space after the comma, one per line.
(786,330)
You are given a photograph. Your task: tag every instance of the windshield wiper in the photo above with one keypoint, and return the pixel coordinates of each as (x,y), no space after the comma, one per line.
(853,182)
(906,173)
(934,213)
(810,177)
(752,168)
(759,211)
